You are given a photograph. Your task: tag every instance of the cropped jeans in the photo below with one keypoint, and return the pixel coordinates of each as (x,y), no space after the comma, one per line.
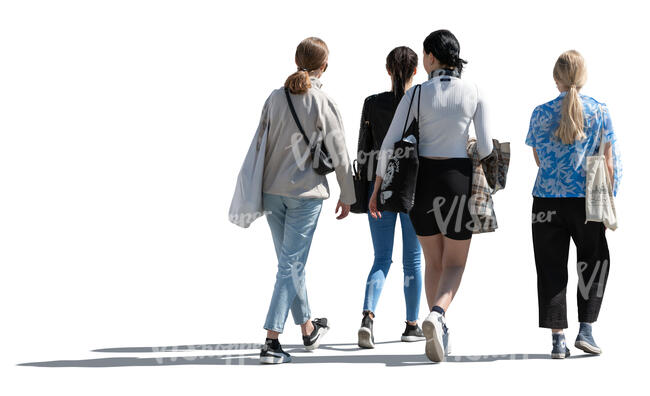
(292,222)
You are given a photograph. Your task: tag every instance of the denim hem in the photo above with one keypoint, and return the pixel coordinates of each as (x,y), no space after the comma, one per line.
(304,320)
(276,329)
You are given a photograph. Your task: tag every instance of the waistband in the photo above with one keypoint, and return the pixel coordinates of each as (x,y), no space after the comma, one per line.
(448,161)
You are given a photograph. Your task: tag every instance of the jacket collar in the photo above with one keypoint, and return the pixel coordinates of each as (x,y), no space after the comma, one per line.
(315,81)
(444,72)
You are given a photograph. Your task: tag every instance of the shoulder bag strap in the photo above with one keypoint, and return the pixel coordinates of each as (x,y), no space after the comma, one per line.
(295,117)
(408,113)
(419,95)
(601,150)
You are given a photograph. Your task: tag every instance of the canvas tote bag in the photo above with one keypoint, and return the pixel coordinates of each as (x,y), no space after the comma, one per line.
(599,196)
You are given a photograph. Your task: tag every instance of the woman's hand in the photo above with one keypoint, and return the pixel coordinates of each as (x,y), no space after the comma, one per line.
(345,210)
(372,206)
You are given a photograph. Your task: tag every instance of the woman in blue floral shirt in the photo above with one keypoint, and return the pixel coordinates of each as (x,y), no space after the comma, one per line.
(563,132)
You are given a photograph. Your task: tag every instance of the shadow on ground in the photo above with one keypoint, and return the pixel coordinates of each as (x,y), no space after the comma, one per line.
(249,356)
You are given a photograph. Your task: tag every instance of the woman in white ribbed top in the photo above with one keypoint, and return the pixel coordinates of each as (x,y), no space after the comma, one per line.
(440,214)
(448,105)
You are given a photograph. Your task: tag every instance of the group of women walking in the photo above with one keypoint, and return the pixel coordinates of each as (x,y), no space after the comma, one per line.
(562,133)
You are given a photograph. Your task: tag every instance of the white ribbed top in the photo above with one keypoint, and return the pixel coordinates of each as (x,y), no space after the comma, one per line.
(447,105)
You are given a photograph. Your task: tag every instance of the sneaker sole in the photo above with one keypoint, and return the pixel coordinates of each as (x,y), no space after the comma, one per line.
(274,360)
(561,355)
(365,338)
(587,347)
(321,333)
(433,349)
(412,338)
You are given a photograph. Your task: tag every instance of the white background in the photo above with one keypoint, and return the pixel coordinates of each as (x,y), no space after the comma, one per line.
(123,125)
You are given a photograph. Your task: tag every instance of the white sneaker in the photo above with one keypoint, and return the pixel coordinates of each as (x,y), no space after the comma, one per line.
(433,329)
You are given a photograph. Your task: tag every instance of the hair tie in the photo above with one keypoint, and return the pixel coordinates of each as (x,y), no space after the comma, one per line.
(572,86)
(302,69)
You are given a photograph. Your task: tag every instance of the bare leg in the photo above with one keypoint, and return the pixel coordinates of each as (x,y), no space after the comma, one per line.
(454,258)
(432,249)
(307,327)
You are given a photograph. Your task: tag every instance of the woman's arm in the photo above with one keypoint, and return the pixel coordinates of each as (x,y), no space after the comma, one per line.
(609,161)
(536,156)
(483,137)
(330,122)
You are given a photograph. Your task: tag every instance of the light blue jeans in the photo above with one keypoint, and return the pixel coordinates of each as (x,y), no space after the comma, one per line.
(293,222)
(382,231)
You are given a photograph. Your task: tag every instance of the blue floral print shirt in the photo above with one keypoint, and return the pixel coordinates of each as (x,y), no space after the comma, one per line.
(562,166)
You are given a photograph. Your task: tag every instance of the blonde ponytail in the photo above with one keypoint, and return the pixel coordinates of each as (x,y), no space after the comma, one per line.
(311,54)
(570,72)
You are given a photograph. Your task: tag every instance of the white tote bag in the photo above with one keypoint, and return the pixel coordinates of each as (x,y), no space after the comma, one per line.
(246,205)
(599,196)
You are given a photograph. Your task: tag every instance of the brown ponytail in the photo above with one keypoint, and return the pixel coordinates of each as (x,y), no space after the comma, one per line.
(570,72)
(311,54)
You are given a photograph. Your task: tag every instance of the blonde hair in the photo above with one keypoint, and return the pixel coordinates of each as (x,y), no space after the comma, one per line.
(570,72)
(311,54)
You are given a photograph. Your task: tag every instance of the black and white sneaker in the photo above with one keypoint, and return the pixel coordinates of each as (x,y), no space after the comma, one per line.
(412,333)
(312,341)
(366,337)
(271,354)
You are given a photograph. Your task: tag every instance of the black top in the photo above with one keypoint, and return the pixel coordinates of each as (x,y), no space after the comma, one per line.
(376,116)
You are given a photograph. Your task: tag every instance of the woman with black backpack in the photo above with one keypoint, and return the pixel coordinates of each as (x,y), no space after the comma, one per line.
(378,110)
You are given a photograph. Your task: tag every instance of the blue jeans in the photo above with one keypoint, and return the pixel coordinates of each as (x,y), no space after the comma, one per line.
(293,222)
(382,231)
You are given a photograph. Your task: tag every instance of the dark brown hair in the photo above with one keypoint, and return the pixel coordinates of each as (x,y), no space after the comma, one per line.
(401,63)
(311,54)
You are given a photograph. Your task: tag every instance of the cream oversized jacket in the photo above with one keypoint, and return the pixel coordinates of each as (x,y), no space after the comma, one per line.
(287,163)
